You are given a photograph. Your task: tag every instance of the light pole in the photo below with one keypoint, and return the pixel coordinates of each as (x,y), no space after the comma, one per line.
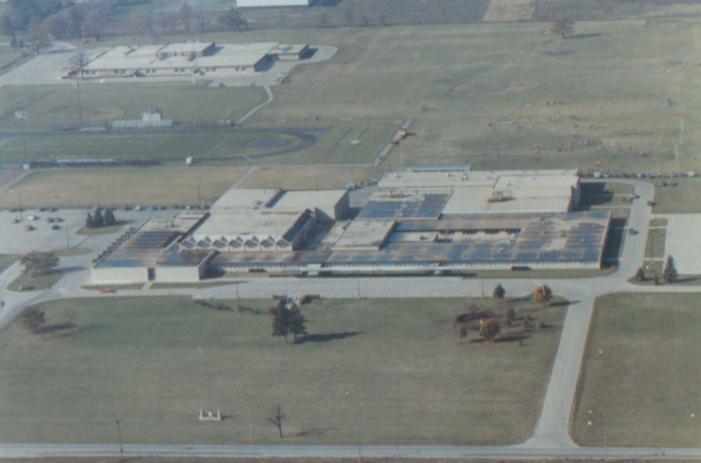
(20,206)
(80,106)
(250,431)
(238,298)
(121,450)
(358,282)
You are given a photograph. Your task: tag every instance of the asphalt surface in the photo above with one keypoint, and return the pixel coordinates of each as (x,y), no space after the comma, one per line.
(550,438)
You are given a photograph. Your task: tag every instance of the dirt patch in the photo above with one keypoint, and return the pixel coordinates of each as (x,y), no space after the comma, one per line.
(515,87)
(509,10)
(89,114)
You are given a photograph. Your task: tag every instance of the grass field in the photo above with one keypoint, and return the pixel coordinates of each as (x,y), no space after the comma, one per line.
(6,260)
(616,76)
(655,244)
(642,370)
(391,369)
(682,199)
(39,283)
(306,178)
(104,187)
(58,104)
(608,85)
(73,252)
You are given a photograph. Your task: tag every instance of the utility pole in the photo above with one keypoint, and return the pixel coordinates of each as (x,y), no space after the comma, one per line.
(358,282)
(68,246)
(80,106)
(121,450)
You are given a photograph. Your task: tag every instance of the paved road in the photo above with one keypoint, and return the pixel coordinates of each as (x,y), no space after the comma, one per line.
(550,438)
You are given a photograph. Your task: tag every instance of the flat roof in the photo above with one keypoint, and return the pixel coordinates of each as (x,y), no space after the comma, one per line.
(364,234)
(147,245)
(325,200)
(468,179)
(526,239)
(262,224)
(286,49)
(186,47)
(240,198)
(146,57)
(471,200)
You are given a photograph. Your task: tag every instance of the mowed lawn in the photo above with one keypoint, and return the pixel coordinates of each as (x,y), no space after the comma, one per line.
(608,86)
(6,260)
(48,105)
(76,188)
(642,378)
(389,369)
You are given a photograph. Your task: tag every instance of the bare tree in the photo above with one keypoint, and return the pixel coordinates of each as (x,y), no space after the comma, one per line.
(276,418)
(323,20)
(58,26)
(37,36)
(462,333)
(202,21)
(347,15)
(168,22)
(543,294)
(562,24)
(78,62)
(489,329)
(185,14)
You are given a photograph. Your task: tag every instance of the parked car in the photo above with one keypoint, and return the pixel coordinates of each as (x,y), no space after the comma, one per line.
(55,227)
(632,231)
(125,207)
(52,209)
(137,208)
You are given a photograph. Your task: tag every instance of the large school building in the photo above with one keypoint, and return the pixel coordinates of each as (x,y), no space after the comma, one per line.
(416,221)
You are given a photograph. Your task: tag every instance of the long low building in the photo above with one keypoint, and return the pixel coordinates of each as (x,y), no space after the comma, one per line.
(270,3)
(190,59)
(416,221)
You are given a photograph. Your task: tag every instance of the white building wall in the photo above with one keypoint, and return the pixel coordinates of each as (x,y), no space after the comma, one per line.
(118,276)
(177,274)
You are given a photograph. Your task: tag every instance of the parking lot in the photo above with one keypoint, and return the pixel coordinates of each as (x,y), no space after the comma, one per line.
(15,239)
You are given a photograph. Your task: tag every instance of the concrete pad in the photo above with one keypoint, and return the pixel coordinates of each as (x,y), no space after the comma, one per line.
(683,242)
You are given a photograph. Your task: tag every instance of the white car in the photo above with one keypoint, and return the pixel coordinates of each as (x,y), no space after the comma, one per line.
(137,208)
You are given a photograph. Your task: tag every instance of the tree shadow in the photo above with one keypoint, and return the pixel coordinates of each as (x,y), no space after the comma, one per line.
(562,303)
(510,337)
(585,36)
(328,337)
(49,329)
(688,279)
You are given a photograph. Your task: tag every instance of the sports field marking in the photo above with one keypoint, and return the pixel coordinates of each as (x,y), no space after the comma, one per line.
(218,144)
